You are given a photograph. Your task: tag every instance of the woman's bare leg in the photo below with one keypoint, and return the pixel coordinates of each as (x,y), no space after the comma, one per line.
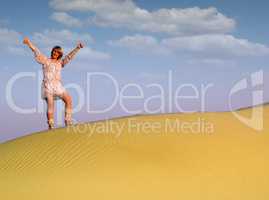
(68,108)
(50,111)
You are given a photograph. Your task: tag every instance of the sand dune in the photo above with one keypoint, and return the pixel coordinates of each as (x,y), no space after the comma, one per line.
(100,161)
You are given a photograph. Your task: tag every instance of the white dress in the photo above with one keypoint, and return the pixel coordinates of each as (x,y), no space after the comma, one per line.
(52,83)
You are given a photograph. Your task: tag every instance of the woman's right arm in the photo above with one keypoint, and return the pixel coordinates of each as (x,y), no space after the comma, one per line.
(39,57)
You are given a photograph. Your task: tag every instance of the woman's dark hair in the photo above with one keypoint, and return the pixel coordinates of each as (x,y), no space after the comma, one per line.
(60,50)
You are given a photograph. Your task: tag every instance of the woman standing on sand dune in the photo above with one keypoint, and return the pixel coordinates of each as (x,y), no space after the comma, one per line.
(52,88)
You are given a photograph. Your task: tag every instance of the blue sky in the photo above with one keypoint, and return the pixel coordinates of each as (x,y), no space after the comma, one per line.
(138,42)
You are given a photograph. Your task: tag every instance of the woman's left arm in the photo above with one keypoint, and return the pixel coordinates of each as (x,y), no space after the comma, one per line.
(71,55)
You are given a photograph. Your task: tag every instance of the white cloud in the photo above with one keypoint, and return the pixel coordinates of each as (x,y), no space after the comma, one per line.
(90,54)
(205,46)
(11,42)
(142,43)
(212,62)
(92,5)
(201,32)
(9,37)
(66,19)
(216,45)
(125,13)
(68,40)
(50,38)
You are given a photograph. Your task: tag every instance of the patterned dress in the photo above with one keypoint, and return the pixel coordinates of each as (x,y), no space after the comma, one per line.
(52,83)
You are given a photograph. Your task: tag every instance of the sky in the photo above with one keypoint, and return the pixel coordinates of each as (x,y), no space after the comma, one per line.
(140,57)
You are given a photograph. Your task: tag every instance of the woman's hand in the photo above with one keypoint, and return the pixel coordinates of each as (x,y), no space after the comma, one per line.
(80,45)
(30,45)
(26,41)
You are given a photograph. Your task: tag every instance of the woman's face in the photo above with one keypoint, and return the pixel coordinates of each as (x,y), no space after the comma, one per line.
(55,54)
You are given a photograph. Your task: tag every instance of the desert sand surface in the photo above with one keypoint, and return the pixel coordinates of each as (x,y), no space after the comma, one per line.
(227,160)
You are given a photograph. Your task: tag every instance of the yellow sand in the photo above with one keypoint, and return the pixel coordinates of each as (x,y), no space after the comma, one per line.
(86,162)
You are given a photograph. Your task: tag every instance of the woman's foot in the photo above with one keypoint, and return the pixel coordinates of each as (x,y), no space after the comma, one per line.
(68,123)
(51,127)
(51,124)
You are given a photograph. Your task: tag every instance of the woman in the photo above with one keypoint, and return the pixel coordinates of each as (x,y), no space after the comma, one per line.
(52,88)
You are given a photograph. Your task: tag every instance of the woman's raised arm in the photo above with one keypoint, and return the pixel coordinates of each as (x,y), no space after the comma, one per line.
(71,55)
(39,57)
